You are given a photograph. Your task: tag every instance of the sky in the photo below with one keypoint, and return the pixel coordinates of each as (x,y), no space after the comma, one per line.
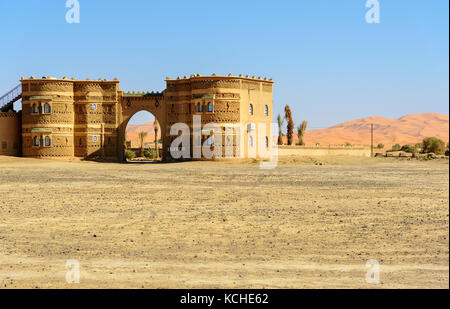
(329,65)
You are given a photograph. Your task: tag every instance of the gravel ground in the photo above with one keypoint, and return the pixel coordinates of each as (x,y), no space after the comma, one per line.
(309,223)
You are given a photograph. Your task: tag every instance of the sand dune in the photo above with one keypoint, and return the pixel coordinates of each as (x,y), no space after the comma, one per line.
(133,133)
(408,129)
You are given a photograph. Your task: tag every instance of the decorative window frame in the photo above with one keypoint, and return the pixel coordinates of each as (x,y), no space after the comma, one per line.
(44,140)
(39,139)
(43,108)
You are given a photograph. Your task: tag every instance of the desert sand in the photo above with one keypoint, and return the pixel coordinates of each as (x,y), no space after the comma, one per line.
(225,224)
(410,129)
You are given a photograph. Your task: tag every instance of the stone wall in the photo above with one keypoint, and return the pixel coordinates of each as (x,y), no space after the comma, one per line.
(323,151)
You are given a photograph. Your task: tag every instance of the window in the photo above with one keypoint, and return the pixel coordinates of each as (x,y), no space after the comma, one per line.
(4,145)
(199,107)
(210,107)
(47,141)
(267,142)
(94,138)
(250,110)
(250,141)
(47,108)
(35,109)
(94,107)
(36,141)
(266,110)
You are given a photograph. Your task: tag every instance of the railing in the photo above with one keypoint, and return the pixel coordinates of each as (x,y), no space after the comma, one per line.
(11,97)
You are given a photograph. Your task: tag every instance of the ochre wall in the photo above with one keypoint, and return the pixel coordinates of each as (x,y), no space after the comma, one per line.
(88,118)
(10,134)
(323,151)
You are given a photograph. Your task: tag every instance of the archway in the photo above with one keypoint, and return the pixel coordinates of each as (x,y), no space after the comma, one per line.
(142,138)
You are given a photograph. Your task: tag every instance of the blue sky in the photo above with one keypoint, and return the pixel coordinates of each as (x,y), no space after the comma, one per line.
(328,64)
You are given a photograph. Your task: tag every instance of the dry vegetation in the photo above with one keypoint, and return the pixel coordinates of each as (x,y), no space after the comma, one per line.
(311,222)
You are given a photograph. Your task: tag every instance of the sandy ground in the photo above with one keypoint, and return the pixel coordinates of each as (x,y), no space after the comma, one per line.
(225,225)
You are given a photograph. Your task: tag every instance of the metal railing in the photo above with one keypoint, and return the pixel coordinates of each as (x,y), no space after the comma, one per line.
(10,97)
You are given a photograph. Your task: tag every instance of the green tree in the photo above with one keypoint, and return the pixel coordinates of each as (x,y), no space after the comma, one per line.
(433,144)
(380,146)
(280,129)
(290,125)
(396,147)
(301,129)
(408,148)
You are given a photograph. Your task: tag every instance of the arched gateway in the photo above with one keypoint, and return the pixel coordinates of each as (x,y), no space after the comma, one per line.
(88,119)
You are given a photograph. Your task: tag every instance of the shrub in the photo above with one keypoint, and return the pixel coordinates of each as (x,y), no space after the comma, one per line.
(396,147)
(380,146)
(150,153)
(129,154)
(408,148)
(347,144)
(433,144)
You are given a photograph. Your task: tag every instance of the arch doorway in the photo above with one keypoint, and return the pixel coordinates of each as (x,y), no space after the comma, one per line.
(143,140)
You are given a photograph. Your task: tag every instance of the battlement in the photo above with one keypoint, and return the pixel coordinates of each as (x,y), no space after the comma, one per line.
(65,79)
(213,76)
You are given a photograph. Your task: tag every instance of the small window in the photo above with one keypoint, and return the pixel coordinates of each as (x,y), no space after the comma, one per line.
(47,141)
(210,107)
(35,109)
(47,108)
(267,142)
(266,110)
(94,107)
(199,107)
(250,110)
(250,141)
(95,138)
(4,144)
(36,141)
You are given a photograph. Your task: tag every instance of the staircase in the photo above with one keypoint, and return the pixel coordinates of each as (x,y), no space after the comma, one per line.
(7,100)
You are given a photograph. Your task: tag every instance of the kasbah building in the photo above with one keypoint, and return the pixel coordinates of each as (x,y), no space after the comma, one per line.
(87,119)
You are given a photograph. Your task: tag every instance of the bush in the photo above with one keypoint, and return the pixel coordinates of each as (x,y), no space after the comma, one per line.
(433,144)
(347,144)
(380,146)
(150,154)
(129,154)
(408,148)
(396,147)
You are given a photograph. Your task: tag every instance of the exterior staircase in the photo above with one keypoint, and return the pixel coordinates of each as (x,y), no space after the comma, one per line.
(7,100)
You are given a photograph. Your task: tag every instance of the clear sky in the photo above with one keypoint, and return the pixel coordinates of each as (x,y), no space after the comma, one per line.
(328,63)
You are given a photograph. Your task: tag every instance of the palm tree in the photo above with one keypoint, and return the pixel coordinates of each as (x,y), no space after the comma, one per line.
(280,129)
(142,136)
(290,124)
(155,128)
(301,129)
